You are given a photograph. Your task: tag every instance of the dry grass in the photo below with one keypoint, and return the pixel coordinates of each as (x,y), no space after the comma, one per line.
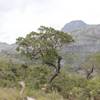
(40,95)
(9,94)
(13,94)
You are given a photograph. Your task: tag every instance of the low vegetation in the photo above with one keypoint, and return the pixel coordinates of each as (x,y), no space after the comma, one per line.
(43,80)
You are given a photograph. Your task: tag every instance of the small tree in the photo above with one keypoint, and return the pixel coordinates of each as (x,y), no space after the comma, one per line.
(44,45)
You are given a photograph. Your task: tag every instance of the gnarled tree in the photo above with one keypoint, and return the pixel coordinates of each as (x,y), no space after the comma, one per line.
(45,45)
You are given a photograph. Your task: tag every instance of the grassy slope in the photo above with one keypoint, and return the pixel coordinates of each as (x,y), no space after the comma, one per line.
(13,94)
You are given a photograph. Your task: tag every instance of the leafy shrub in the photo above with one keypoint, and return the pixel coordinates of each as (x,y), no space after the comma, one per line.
(69,85)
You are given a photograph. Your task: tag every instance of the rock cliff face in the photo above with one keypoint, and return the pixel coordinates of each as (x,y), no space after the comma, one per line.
(87,39)
(74,25)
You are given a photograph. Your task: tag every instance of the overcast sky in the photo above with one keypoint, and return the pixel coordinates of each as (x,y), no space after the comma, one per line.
(19,17)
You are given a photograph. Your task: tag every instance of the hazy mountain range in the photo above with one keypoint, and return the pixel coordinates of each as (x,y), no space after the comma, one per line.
(87,40)
(4,47)
(87,37)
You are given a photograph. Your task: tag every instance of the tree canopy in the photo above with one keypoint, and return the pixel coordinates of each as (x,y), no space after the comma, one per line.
(44,45)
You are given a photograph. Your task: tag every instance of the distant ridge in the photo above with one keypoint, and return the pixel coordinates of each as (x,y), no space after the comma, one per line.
(87,39)
(74,25)
(10,48)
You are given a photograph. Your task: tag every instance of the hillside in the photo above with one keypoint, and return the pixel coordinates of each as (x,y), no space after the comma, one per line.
(87,41)
(78,79)
(10,48)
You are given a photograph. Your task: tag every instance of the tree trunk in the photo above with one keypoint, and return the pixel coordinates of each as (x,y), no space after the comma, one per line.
(89,73)
(58,67)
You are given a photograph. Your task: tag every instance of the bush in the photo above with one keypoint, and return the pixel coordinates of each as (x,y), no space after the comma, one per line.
(69,85)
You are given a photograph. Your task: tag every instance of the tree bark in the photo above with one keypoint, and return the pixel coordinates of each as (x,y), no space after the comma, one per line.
(89,73)
(57,69)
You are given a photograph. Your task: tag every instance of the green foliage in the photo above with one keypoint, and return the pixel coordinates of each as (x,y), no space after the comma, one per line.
(34,75)
(69,85)
(94,87)
(37,75)
(43,44)
(92,61)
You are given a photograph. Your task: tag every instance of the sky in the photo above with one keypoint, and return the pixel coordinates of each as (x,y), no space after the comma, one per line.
(19,17)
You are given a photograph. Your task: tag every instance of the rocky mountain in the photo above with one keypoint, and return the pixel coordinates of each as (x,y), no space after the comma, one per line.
(87,39)
(74,25)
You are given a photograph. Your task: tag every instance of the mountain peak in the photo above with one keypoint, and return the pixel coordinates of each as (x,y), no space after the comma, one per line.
(73,25)
(77,21)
